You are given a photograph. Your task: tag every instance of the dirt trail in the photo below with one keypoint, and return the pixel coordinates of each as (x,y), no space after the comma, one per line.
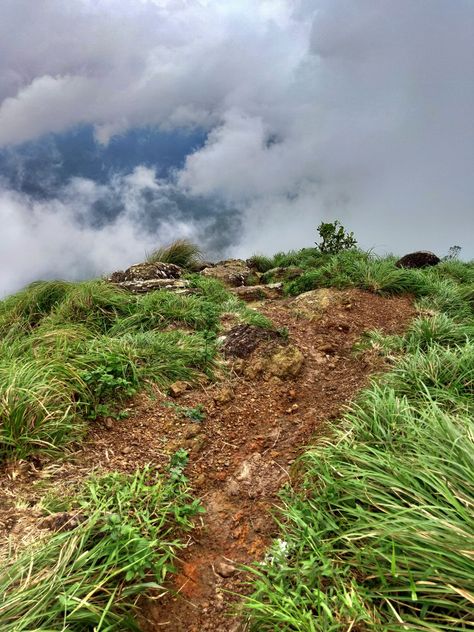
(241,453)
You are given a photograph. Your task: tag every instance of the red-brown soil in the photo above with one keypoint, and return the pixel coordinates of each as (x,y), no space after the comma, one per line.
(241,454)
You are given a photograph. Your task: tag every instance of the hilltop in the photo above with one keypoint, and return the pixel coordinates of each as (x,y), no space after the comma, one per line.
(155,423)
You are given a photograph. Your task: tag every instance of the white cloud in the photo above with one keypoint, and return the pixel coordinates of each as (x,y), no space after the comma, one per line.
(55,239)
(317,109)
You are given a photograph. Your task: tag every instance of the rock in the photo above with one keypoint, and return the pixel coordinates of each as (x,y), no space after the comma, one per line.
(179,286)
(147,277)
(224,569)
(232,272)
(259,292)
(109,423)
(147,271)
(242,340)
(224,395)
(190,431)
(313,304)
(287,362)
(419,259)
(282,274)
(328,349)
(178,388)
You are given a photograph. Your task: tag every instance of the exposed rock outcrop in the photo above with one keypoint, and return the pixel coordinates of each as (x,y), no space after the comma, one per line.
(231,272)
(147,272)
(313,304)
(257,352)
(146,277)
(251,293)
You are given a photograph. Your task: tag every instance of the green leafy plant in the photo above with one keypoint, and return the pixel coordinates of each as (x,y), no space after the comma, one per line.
(195,413)
(334,238)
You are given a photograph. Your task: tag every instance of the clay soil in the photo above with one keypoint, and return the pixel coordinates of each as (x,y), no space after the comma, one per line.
(240,454)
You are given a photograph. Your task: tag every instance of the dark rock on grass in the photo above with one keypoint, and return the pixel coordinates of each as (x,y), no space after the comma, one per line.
(242,340)
(419,259)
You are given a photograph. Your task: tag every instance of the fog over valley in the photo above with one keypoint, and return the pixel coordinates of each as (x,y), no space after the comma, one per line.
(240,125)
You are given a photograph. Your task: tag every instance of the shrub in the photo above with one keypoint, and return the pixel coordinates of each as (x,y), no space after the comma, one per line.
(334,238)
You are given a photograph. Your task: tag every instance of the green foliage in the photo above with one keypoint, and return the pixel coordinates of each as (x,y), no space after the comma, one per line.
(379,532)
(90,577)
(181,253)
(195,413)
(261,263)
(334,238)
(77,351)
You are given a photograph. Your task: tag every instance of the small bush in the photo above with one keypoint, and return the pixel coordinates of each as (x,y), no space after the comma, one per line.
(334,238)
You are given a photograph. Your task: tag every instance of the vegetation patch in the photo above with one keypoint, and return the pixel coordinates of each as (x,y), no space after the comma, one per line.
(379,532)
(76,351)
(90,576)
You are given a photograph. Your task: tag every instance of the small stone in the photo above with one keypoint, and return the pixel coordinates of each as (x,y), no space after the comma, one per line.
(224,570)
(109,423)
(178,388)
(328,349)
(224,395)
(292,409)
(191,431)
(126,450)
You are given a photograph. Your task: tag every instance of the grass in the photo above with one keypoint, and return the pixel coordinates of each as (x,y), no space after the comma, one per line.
(71,352)
(90,577)
(379,531)
(181,253)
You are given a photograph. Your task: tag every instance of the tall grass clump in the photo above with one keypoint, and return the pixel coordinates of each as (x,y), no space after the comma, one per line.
(378,533)
(90,577)
(23,311)
(181,253)
(38,405)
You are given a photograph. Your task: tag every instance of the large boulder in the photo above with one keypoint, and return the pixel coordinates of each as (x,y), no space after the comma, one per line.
(147,277)
(256,352)
(232,272)
(419,259)
(147,271)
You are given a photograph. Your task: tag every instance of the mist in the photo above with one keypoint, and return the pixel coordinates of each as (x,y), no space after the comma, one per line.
(308,110)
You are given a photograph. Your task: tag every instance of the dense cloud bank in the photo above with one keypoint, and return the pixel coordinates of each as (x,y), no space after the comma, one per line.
(313,109)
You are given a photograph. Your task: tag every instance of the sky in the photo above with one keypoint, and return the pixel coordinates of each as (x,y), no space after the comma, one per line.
(240,124)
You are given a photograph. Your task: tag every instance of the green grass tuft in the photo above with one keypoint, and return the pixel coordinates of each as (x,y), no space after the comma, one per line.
(181,253)
(89,578)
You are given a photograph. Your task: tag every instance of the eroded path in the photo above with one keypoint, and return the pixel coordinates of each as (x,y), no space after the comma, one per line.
(241,453)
